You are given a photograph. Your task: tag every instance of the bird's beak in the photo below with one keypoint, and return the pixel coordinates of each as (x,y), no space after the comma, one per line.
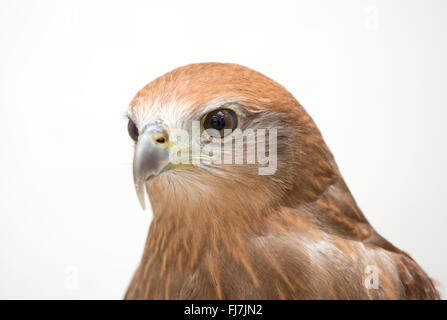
(151,157)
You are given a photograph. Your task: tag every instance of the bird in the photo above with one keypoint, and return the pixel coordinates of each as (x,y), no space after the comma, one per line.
(224,230)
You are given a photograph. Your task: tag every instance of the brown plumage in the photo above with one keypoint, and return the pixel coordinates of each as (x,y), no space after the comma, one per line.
(223,231)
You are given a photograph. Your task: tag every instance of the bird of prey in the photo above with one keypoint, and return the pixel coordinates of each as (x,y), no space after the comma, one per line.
(226,230)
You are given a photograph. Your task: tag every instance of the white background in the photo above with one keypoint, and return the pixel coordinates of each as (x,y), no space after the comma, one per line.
(372,74)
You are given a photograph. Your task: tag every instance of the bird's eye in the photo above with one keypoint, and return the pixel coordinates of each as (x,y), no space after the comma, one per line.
(221,122)
(133,130)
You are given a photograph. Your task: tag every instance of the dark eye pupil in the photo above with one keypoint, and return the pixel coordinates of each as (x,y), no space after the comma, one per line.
(133,130)
(224,121)
(217,121)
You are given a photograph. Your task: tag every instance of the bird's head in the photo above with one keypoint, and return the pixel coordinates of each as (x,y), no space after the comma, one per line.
(224,132)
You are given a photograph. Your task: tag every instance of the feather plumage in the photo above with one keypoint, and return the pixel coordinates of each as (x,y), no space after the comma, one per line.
(225,232)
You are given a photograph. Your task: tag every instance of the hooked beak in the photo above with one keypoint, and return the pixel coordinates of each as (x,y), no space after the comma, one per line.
(151,156)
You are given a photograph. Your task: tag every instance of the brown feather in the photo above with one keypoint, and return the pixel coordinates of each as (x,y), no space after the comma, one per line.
(233,234)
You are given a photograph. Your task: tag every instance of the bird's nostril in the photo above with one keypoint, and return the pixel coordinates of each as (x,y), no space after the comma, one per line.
(161,140)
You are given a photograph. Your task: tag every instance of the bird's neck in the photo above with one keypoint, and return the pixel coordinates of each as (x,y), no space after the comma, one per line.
(221,221)
(188,231)
(187,224)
